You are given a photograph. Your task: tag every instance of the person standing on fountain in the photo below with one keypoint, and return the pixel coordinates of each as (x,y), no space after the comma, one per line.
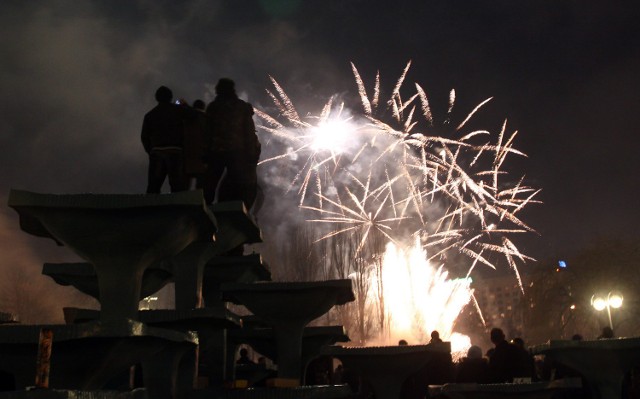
(162,138)
(233,147)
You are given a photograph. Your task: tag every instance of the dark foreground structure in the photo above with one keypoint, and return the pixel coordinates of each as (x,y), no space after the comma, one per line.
(134,245)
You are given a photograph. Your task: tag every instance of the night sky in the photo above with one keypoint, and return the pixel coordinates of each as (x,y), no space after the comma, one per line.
(77,78)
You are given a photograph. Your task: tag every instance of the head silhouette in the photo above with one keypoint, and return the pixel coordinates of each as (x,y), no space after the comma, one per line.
(497,335)
(226,87)
(163,94)
(199,105)
(474,352)
(607,332)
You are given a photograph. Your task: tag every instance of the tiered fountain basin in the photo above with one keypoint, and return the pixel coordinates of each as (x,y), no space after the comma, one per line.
(563,388)
(603,363)
(231,269)
(288,308)
(120,235)
(180,320)
(303,392)
(7,318)
(262,339)
(208,323)
(85,356)
(235,226)
(139,393)
(386,367)
(83,277)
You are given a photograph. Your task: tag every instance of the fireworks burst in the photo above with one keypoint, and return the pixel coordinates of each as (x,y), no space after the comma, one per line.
(391,170)
(419,298)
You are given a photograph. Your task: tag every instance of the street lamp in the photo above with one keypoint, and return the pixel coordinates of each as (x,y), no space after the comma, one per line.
(612,300)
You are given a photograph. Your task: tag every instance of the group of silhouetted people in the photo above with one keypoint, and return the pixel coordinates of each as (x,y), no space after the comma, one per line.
(216,146)
(505,362)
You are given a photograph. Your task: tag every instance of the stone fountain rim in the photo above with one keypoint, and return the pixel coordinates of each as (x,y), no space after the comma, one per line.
(391,350)
(28,334)
(609,343)
(344,285)
(23,198)
(87,268)
(279,285)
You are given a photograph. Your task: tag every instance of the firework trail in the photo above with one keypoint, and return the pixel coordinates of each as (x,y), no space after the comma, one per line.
(391,170)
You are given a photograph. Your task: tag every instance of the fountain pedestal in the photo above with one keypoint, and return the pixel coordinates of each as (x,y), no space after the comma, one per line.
(386,367)
(234,229)
(288,308)
(85,356)
(262,339)
(603,363)
(82,276)
(120,235)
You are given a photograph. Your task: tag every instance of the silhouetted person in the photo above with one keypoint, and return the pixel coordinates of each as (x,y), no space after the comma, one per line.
(195,142)
(402,342)
(435,337)
(440,369)
(607,332)
(244,357)
(504,359)
(162,138)
(233,147)
(437,371)
(473,368)
(526,364)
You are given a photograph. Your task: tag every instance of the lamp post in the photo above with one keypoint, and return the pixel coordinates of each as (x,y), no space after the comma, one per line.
(612,300)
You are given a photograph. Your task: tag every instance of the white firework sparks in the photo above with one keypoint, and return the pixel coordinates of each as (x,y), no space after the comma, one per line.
(401,178)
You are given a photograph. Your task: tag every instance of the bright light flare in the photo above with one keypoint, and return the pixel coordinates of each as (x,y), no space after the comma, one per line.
(612,300)
(615,300)
(460,345)
(418,297)
(332,135)
(598,303)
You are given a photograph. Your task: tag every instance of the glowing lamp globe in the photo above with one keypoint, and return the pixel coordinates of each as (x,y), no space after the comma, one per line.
(615,300)
(598,303)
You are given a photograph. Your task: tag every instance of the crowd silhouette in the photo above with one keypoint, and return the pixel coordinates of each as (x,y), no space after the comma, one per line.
(214,148)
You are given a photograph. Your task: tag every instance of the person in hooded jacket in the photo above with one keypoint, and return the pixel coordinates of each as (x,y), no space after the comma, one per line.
(233,147)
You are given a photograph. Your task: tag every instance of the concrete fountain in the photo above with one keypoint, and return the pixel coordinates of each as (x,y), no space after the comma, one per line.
(234,228)
(288,308)
(85,356)
(120,235)
(603,363)
(262,339)
(386,368)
